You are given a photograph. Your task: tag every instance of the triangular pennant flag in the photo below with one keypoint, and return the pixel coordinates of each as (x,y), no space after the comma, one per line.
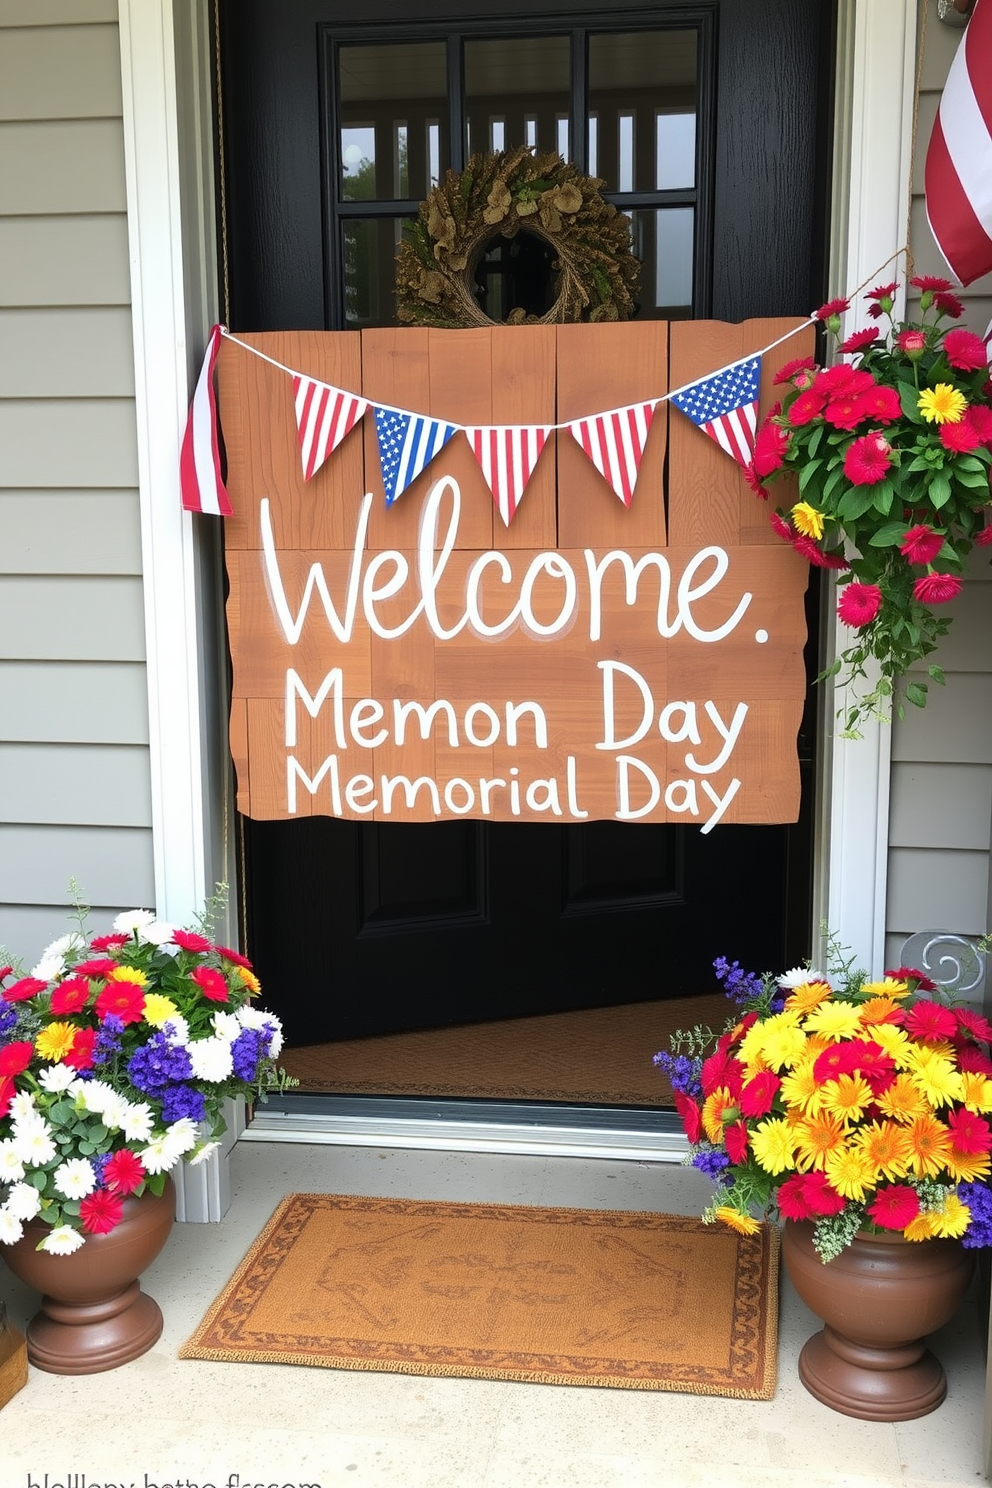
(507,455)
(324,415)
(200,481)
(408,443)
(725,406)
(615,443)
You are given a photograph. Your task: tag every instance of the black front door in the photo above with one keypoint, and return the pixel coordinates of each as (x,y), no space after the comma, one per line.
(706,123)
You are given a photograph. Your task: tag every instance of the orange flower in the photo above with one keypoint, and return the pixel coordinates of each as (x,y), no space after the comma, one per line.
(719,1101)
(742,1223)
(965,1167)
(930,1145)
(881,1010)
(901,1100)
(808,995)
(886,1145)
(847,1096)
(816,1138)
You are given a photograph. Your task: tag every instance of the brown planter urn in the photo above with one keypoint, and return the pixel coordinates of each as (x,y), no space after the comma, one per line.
(94,1315)
(878,1299)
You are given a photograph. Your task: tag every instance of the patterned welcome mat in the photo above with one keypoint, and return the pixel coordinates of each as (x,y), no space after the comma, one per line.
(556,1296)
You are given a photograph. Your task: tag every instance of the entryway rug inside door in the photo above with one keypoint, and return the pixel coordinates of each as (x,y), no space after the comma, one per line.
(555,1296)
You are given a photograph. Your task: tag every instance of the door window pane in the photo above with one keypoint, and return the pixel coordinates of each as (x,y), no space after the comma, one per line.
(369,248)
(636,79)
(522,81)
(663,241)
(390,96)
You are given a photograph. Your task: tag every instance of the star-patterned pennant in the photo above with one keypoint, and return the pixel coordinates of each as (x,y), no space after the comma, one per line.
(725,406)
(408,442)
(507,455)
(324,415)
(615,443)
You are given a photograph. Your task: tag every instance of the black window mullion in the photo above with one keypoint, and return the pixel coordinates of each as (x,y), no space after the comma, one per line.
(580,101)
(456,103)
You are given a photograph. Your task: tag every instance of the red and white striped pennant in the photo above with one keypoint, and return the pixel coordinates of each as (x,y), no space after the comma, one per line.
(324,415)
(507,455)
(615,443)
(200,482)
(958,174)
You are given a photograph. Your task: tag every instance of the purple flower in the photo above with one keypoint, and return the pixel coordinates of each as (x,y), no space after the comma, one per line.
(682,1072)
(8,1017)
(100,1166)
(158,1064)
(978,1197)
(182,1100)
(246,1052)
(739,985)
(108,1039)
(711,1162)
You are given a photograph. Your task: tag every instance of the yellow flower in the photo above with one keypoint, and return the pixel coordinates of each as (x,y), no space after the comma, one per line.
(800,1088)
(965,1167)
(55,1041)
(887,987)
(784,1046)
(750,1051)
(816,1138)
(158,1010)
(935,1077)
(849,1172)
(249,978)
(773,1143)
(887,1148)
(742,1223)
(807,996)
(951,1221)
(807,519)
(902,1100)
(846,1097)
(977,1091)
(942,404)
(930,1144)
(836,1020)
(895,1043)
(923,1227)
(129,974)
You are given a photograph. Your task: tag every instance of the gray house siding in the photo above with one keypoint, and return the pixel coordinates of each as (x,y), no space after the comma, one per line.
(941,803)
(74,776)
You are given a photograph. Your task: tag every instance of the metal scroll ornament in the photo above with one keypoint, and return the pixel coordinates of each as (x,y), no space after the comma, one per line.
(954,962)
(499,206)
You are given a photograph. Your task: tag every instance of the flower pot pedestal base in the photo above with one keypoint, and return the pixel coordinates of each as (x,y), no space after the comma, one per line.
(89,1337)
(873,1384)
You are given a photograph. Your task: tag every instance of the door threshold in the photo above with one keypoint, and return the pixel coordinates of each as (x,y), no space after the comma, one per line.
(623,1133)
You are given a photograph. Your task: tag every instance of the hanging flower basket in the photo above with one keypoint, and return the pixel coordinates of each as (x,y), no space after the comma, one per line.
(888,454)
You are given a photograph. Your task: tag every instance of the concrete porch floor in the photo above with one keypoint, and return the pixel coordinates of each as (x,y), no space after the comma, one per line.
(161,1421)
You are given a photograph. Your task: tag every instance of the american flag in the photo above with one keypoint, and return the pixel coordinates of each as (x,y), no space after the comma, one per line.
(959,158)
(407,443)
(507,455)
(725,406)
(324,415)
(200,482)
(615,443)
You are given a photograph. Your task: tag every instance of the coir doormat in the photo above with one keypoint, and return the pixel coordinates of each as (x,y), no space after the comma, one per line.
(556,1296)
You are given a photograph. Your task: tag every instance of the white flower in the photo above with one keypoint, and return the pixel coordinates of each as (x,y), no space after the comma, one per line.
(34,1145)
(11,1166)
(798,976)
(182,1135)
(137,1122)
(48,968)
(159,1156)
(177,1030)
(73,941)
(275,1043)
(11,1228)
(23,1108)
(95,1096)
(201,1154)
(75,1178)
(115,1112)
(250,1017)
(24,1201)
(56,1077)
(211,1059)
(156,933)
(133,919)
(62,1240)
(226,1026)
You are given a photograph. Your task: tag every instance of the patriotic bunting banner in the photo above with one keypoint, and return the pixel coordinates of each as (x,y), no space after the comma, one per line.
(200,481)
(507,456)
(408,442)
(958,176)
(324,415)
(725,406)
(615,443)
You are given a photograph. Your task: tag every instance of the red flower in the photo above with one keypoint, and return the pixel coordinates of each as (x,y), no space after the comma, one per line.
(983,537)
(211,983)
(838,1059)
(883,404)
(69,996)
(101,1212)
(735,1138)
(974,1023)
(748,472)
(769,449)
(895,1207)
(234,956)
(25,988)
(972,1060)
(860,341)
(846,412)
(832,308)
(5,972)
(877,1067)
(948,304)
(788,372)
(806,407)
(758,1095)
(80,1056)
(913,343)
(16,1057)
(781,526)
(108,942)
(979,418)
(690,1114)
(791,1198)
(841,379)
(930,281)
(101,967)
(883,291)
(721,1069)
(936,588)
(969,1132)
(124,1000)
(124,1172)
(821,1198)
(735,1034)
(965,351)
(814,554)
(188,940)
(930,1022)
(960,438)
(921,544)
(7,1092)
(867,460)
(859,603)
(912,974)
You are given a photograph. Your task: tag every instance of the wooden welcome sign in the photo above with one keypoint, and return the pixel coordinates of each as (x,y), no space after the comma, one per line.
(423,662)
